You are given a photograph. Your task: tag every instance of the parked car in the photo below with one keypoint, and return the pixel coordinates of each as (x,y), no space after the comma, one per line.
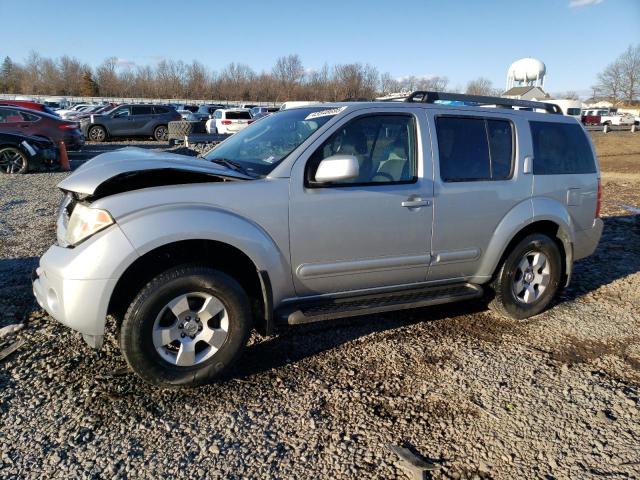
(74,109)
(41,124)
(39,107)
(102,109)
(130,120)
(229,121)
(22,153)
(204,113)
(604,116)
(263,110)
(320,212)
(89,109)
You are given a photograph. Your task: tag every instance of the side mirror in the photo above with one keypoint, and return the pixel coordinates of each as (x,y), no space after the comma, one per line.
(337,168)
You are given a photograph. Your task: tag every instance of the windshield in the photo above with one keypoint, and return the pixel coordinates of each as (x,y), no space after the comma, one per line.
(261,146)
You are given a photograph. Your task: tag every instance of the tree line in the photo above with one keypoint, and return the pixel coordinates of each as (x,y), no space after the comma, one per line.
(286,80)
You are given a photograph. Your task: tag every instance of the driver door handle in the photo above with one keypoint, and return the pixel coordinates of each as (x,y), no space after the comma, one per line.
(416,202)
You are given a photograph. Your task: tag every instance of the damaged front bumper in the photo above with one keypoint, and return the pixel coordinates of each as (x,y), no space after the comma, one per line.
(74,285)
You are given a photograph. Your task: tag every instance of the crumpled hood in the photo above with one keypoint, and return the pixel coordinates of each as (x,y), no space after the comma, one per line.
(128,161)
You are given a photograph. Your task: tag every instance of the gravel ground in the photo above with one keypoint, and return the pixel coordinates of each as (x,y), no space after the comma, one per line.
(557,396)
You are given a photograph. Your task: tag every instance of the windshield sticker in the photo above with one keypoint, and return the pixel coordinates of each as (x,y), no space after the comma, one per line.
(271,159)
(325,113)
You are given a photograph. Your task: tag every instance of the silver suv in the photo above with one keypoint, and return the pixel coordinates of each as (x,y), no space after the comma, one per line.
(321,212)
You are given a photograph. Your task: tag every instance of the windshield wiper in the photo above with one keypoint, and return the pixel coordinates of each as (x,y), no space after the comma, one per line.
(231,165)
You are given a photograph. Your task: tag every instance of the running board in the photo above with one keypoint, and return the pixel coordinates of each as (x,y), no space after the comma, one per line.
(328,309)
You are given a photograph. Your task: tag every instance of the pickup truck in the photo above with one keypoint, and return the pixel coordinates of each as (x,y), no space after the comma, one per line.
(606,117)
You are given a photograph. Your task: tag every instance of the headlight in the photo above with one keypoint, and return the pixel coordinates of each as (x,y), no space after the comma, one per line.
(86,221)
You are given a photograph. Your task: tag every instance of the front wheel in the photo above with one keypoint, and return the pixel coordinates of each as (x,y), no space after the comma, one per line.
(528,278)
(97,134)
(186,327)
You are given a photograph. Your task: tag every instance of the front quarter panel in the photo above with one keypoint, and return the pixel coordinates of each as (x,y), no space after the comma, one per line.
(251,216)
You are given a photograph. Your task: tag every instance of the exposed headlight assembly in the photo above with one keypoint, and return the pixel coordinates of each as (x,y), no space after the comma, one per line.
(85,222)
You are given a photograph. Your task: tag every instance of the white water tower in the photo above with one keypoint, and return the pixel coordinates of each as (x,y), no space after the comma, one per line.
(526,72)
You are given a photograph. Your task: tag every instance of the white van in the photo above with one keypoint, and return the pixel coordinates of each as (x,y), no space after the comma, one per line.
(569,107)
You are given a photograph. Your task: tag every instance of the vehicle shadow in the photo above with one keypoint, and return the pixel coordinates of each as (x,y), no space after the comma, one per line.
(297,343)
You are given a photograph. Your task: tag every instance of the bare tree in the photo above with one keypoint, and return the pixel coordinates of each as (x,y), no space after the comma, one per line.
(620,80)
(388,84)
(630,65)
(288,72)
(481,86)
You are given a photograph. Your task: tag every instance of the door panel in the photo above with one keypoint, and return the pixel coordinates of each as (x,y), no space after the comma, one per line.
(119,125)
(358,236)
(467,212)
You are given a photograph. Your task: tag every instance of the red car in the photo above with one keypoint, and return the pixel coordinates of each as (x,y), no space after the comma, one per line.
(41,124)
(28,104)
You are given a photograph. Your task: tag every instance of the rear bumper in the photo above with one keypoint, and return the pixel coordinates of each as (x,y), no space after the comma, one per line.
(586,241)
(74,141)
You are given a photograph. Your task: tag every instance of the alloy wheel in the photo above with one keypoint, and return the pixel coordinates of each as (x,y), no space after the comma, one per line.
(190,329)
(11,160)
(531,277)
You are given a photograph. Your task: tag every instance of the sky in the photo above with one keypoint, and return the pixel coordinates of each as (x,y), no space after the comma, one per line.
(459,39)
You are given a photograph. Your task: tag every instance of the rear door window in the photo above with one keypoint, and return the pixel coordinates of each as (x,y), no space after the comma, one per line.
(560,148)
(141,110)
(159,110)
(239,115)
(474,149)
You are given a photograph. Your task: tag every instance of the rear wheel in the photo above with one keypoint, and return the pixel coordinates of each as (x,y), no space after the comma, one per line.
(528,279)
(13,160)
(161,133)
(97,134)
(186,327)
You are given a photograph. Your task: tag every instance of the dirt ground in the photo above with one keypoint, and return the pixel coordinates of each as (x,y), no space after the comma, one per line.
(480,396)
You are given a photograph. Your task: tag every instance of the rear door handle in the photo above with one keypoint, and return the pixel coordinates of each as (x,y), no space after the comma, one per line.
(416,202)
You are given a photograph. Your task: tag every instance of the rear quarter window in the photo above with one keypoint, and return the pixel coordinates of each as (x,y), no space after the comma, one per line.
(560,148)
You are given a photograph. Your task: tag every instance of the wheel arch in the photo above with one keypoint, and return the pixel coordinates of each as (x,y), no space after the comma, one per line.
(106,129)
(545,216)
(206,252)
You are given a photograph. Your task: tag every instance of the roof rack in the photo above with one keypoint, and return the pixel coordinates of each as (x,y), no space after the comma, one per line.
(423,96)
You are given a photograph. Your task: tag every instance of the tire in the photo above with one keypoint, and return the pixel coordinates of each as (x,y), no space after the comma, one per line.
(524,292)
(172,358)
(13,160)
(180,129)
(161,133)
(97,134)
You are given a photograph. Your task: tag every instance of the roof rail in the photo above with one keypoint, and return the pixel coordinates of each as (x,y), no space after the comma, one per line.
(423,96)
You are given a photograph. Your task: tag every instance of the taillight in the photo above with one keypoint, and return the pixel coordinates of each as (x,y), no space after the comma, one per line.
(68,126)
(599,204)
(226,122)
